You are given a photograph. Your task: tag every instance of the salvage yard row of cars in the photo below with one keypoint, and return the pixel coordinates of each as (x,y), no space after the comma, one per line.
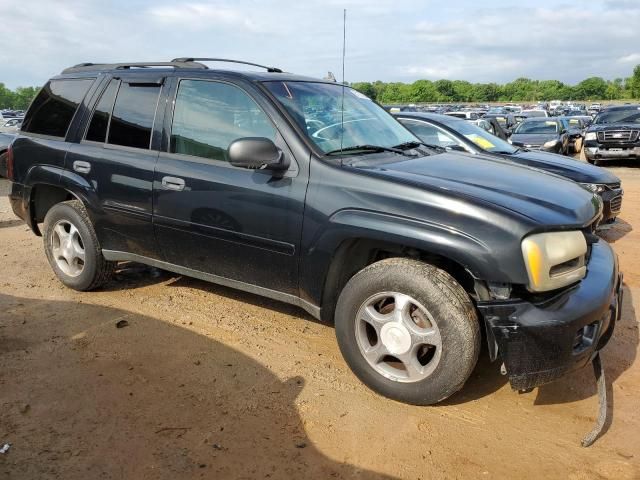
(612,133)
(412,241)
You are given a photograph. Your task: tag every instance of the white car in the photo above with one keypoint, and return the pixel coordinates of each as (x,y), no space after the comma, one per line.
(534,113)
(464,115)
(10,125)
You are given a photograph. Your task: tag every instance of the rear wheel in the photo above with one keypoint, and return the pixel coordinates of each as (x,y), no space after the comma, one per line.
(408,330)
(72,247)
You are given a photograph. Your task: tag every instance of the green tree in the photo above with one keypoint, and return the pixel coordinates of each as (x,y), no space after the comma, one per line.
(593,87)
(634,83)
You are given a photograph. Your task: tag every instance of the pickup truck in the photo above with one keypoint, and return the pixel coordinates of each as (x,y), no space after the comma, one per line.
(308,192)
(614,135)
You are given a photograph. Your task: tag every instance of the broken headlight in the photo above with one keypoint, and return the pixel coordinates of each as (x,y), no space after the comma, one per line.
(554,259)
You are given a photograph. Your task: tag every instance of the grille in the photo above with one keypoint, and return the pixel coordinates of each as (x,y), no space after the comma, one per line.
(616,204)
(618,136)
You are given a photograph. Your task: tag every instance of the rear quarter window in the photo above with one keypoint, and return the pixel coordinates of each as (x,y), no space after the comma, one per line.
(54,107)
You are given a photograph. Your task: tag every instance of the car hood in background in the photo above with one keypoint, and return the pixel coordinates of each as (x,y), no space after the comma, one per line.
(543,197)
(560,165)
(614,126)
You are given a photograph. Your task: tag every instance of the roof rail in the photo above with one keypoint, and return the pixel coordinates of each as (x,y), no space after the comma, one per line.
(85,67)
(226,60)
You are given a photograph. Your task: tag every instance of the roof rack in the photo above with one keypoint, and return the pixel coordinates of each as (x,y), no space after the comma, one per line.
(226,60)
(84,67)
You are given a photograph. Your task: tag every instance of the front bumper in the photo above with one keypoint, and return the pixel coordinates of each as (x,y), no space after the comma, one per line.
(540,342)
(595,151)
(611,204)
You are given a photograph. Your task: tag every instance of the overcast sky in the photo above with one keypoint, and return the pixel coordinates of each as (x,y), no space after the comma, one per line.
(389,40)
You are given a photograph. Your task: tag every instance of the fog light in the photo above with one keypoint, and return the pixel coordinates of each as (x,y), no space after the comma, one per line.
(585,337)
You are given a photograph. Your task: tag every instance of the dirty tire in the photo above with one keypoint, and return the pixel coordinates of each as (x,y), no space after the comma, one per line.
(450,308)
(96,271)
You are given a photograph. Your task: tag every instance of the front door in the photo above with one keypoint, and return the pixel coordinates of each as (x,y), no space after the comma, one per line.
(215,218)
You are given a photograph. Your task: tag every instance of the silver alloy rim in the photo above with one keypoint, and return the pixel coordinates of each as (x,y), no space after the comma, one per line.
(398,337)
(67,248)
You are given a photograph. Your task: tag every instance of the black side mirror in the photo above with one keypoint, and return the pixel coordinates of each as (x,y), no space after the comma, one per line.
(257,153)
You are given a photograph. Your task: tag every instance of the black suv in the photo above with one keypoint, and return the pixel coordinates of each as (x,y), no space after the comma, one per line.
(308,192)
(614,135)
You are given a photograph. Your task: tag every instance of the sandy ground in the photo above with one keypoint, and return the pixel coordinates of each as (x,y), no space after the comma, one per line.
(206,382)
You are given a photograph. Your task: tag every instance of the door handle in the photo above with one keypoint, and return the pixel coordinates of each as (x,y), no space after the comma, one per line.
(81,167)
(173,183)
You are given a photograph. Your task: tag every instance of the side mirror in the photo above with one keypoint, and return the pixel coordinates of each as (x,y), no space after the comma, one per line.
(257,153)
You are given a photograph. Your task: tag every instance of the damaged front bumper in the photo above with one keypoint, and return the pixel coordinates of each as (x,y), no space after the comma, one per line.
(540,342)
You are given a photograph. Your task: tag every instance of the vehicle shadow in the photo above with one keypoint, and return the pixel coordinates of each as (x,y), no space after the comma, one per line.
(84,399)
(616,231)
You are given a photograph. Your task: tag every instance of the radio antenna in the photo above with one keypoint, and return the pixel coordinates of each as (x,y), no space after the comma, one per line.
(344,47)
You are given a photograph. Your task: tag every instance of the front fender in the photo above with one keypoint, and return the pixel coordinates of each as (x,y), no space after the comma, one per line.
(477,257)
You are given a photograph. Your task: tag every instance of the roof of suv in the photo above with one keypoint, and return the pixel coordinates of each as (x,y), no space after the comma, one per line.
(186,65)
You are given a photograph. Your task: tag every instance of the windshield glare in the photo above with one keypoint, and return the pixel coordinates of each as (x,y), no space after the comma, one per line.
(619,116)
(316,108)
(526,127)
(482,138)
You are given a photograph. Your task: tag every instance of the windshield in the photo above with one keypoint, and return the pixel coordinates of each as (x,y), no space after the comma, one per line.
(481,138)
(619,116)
(527,127)
(316,108)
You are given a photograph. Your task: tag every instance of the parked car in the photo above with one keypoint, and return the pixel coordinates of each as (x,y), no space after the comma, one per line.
(507,121)
(447,132)
(12,125)
(594,109)
(492,126)
(547,134)
(308,192)
(614,135)
(534,113)
(466,115)
(575,130)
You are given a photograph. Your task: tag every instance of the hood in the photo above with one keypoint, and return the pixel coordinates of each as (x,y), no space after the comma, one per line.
(533,138)
(545,198)
(564,166)
(613,126)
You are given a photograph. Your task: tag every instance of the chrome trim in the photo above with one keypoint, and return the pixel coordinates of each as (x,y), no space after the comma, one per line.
(116,256)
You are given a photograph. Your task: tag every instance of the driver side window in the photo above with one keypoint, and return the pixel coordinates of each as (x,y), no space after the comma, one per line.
(209,116)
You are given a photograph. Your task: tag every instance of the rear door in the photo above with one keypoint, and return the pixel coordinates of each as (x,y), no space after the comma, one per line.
(212,217)
(117,156)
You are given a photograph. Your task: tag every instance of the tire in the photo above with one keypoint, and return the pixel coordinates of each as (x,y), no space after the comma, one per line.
(65,253)
(448,308)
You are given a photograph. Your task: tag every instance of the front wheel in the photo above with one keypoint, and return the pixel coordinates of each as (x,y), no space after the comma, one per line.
(408,331)
(72,247)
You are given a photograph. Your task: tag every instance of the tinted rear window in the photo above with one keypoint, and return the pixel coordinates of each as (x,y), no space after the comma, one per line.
(133,114)
(53,108)
(100,120)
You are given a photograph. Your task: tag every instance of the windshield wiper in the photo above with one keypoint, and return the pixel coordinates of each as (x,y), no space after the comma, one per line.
(366,149)
(413,144)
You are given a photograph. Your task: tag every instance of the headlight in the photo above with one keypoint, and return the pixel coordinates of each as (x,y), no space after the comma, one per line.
(594,187)
(554,259)
(510,141)
(551,143)
(590,136)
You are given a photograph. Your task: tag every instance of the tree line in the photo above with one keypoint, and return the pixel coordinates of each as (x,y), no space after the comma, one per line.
(18,99)
(520,90)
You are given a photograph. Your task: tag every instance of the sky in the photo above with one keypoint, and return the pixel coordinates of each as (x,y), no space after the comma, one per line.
(388,40)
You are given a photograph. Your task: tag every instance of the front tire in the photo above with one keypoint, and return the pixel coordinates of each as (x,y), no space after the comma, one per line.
(72,247)
(408,331)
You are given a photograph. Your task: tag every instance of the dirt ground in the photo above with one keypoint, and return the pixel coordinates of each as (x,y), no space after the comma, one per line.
(207,382)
